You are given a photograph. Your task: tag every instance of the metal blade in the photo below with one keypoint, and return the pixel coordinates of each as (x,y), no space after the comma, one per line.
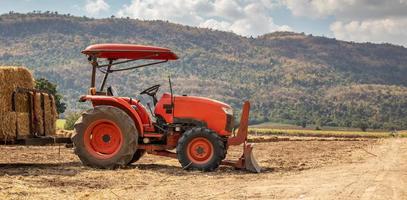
(249,160)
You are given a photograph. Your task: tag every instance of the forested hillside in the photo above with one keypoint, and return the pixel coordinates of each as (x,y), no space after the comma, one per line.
(289,77)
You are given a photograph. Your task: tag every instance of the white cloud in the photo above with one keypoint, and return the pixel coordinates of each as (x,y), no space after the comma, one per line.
(255,21)
(214,24)
(380,30)
(358,20)
(228,9)
(94,7)
(317,8)
(244,17)
(181,11)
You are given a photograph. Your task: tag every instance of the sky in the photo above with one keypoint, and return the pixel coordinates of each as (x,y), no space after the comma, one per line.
(377,21)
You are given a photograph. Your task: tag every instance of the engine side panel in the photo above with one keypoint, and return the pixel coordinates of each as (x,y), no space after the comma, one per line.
(206,110)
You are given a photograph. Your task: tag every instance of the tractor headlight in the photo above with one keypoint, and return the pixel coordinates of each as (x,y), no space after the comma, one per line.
(228,111)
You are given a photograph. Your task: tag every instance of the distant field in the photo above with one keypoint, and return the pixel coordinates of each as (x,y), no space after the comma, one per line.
(402,133)
(323,133)
(60,123)
(273,125)
(271,128)
(292,130)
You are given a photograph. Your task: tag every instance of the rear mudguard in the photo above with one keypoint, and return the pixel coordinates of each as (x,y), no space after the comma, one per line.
(119,103)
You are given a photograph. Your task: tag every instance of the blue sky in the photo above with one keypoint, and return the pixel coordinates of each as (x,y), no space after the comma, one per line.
(352,20)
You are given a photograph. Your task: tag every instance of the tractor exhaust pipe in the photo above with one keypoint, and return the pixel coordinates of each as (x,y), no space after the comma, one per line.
(247,160)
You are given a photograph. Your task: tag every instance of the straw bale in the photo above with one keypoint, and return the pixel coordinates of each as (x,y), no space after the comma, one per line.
(39,112)
(7,126)
(50,115)
(10,79)
(23,123)
(46,114)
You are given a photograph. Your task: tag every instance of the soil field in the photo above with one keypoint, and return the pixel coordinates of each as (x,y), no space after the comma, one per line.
(292,169)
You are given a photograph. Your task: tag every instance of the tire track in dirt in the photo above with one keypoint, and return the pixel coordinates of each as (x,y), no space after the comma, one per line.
(293,170)
(379,177)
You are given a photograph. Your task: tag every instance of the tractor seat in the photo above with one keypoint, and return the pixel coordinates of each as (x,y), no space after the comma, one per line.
(146,117)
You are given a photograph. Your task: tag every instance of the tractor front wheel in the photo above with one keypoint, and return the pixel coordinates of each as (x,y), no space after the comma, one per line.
(200,148)
(105,137)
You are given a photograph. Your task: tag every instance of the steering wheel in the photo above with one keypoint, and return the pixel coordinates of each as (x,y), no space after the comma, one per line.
(151,91)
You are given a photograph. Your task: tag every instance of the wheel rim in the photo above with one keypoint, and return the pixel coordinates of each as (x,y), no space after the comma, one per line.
(103,139)
(200,150)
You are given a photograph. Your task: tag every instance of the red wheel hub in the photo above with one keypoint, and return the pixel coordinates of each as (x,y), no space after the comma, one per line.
(200,150)
(103,139)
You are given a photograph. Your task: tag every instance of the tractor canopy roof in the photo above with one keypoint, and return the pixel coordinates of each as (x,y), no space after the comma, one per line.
(129,51)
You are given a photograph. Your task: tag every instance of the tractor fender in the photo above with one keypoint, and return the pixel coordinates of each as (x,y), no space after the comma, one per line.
(116,102)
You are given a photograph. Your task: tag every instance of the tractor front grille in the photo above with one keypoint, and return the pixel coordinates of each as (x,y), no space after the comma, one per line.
(229,122)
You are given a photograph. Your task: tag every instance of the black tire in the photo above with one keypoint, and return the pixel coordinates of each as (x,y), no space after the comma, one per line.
(137,155)
(225,144)
(212,162)
(128,131)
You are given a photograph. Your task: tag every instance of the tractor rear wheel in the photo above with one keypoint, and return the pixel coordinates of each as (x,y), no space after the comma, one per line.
(137,155)
(200,148)
(105,137)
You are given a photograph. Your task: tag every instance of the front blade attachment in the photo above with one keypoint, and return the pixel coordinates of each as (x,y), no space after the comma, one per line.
(250,163)
(246,161)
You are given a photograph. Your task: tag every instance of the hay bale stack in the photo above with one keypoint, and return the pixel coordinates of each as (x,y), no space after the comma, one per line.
(42,106)
(10,79)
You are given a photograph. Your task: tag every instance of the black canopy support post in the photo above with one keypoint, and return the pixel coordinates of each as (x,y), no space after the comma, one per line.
(94,66)
(102,86)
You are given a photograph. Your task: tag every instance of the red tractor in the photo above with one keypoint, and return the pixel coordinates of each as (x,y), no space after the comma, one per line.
(118,131)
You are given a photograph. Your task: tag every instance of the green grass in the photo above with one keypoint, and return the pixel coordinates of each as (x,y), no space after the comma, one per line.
(61,123)
(274,125)
(321,133)
(403,133)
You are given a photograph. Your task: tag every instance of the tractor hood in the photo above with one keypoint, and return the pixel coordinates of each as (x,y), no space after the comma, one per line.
(214,114)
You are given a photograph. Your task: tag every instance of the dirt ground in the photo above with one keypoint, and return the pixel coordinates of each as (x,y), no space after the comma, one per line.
(311,169)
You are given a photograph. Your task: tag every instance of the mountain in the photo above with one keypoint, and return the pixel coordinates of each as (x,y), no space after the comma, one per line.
(289,77)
